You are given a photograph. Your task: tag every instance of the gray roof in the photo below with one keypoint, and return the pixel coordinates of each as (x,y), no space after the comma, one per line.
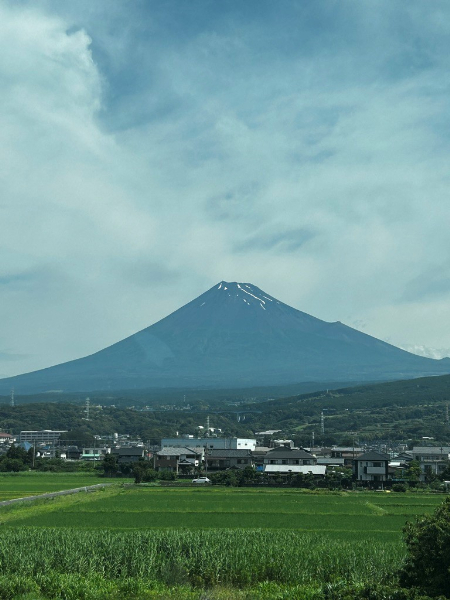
(346,449)
(288,453)
(170,451)
(217,453)
(371,455)
(137,451)
(431,450)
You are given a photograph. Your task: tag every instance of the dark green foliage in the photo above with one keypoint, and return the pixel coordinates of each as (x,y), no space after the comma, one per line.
(143,472)
(13,465)
(110,465)
(399,487)
(427,565)
(445,475)
(15,460)
(238,477)
(79,437)
(18,453)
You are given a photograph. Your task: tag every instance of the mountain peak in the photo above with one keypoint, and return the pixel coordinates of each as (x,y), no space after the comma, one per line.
(247,292)
(233,335)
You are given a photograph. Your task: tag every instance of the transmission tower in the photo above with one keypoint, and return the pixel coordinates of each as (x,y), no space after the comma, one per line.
(86,410)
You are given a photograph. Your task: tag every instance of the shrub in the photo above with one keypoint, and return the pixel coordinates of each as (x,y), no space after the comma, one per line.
(399,487)
(427,565)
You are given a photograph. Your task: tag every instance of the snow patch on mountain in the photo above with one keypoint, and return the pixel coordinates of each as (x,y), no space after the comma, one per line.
(426,351)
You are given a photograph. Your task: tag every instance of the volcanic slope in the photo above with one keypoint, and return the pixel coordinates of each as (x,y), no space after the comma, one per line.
(233,335)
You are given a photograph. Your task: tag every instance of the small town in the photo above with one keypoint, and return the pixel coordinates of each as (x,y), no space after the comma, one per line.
(280,462)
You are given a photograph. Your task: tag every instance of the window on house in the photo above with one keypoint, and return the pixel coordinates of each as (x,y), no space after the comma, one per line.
(377,464)
(284,462)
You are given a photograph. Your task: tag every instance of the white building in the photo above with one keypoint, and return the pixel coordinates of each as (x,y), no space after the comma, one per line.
(210,443)
(433,459)
(45,436)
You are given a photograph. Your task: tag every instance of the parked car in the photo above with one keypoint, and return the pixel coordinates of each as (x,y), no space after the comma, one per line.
(201,480)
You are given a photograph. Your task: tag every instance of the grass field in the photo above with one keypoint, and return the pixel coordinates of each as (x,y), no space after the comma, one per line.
(20,485)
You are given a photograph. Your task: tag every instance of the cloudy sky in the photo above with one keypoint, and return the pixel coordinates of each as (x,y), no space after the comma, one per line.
(151,149)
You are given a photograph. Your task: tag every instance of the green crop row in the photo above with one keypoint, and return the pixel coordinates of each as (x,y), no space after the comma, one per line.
(198,558)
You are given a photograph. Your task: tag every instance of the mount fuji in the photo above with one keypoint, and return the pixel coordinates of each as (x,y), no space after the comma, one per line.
(233,335)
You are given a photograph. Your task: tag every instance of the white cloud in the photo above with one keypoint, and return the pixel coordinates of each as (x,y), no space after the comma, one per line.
(140,167)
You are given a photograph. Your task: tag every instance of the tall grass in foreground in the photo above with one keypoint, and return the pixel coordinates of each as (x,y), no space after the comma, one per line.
(202,558)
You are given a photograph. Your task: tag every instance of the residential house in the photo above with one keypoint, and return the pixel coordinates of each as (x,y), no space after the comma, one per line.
(289,456)
(94,453)
(331,463)
(219,460)
(178,459)
(348,453)
(129,454)
(6,438)
(73,453)
(371,466)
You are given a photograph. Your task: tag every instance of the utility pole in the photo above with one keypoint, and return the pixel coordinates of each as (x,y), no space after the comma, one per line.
(322,423)
(12,398)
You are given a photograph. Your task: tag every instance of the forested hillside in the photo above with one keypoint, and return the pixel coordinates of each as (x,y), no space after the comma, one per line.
(394,411)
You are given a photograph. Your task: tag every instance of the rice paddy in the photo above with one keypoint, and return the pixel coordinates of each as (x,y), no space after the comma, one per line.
(20,485)
(343,516)
(165,542)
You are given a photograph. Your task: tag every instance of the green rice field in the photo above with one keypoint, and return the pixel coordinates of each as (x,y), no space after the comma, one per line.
(346,515)
(149,542)
(20,485)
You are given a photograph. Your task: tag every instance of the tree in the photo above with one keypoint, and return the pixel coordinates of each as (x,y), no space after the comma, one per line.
(110,463)
(413,472)
(427,565)
(143,472)
(12,464)
(17,452)
(445,475)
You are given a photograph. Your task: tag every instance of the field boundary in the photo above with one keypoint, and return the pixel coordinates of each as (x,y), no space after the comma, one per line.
(85,488)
